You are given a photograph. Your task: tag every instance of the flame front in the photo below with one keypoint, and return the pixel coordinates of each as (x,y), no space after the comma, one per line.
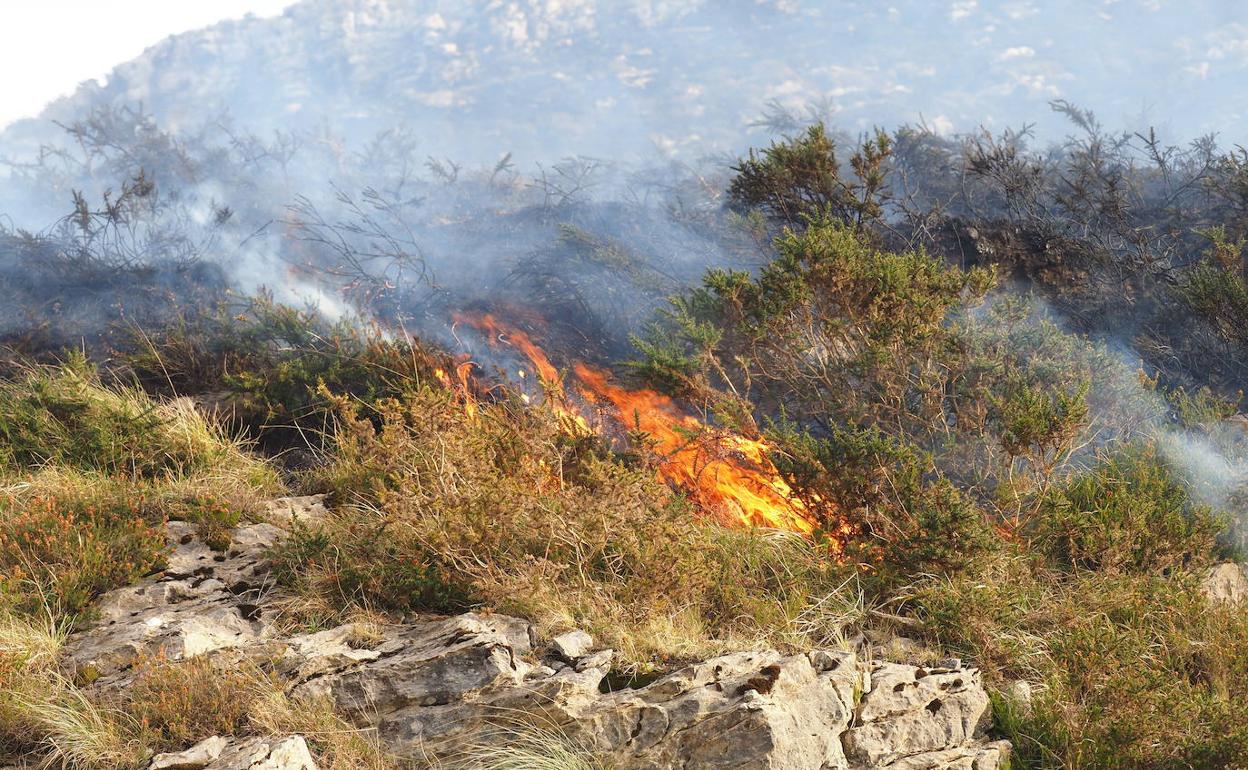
(727,474)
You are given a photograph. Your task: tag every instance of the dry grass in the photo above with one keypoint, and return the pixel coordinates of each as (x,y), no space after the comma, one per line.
(337,744)
(529,748)
(46,715)
(442,510)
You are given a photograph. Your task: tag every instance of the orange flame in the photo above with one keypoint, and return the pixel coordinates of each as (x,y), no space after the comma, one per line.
(461,388)
(549,377)
(726,473)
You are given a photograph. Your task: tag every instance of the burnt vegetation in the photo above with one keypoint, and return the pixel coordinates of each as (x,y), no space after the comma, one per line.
(1001,381)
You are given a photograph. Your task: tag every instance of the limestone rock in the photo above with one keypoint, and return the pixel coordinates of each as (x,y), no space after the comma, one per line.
(433,687)
(572,645)
(908,710)
(218,753)
(204,601)
(1226,583)
(200,755)
(307,509)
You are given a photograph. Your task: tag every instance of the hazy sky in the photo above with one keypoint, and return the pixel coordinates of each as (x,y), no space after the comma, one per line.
(48,47)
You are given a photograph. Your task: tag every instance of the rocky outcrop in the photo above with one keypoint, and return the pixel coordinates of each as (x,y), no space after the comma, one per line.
(438,686)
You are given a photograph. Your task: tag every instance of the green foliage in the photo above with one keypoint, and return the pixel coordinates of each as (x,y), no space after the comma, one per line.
(1129,513)
(1035,419)
(840,336)
(1220,297)
(885,502)
(800,179)
(63,416)
(1128,671)
(267,366)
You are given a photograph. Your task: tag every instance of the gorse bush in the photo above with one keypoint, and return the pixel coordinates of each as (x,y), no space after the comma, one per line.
(801,179)
(1129,513)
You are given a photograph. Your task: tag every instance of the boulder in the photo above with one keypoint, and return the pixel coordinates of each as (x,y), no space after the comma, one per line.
(204,601)
(908,710)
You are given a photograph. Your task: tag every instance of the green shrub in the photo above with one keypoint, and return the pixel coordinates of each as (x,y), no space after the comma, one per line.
(1128,671)
(800,179)
(1129,513)
(883,503)
(266,366)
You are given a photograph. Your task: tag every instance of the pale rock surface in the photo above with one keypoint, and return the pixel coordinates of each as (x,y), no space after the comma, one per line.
(572,645)
(217,753)
(436,686)
(1226,583)
(909,710)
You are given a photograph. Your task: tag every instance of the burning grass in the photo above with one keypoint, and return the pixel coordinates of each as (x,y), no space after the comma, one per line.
(440,510)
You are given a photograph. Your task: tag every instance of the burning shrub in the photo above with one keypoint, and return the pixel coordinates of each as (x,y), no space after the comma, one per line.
(505,507)
(840,337)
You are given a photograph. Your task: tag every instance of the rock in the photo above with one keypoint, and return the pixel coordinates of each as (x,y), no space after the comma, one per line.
(1019,693)
(601,659)
(909,710)
(218,753)
(433,687)
(308,509)
(205,601)
(988,756)
(266,754)
(198,756)
(1226,583)
(572,645)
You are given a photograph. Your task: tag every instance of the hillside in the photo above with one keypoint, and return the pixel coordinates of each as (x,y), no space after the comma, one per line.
(331,443)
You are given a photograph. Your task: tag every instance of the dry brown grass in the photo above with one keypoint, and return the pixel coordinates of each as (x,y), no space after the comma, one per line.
(441,510)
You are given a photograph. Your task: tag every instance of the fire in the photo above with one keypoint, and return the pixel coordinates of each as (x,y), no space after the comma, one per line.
(726,473)
(548,375)
(461,388)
